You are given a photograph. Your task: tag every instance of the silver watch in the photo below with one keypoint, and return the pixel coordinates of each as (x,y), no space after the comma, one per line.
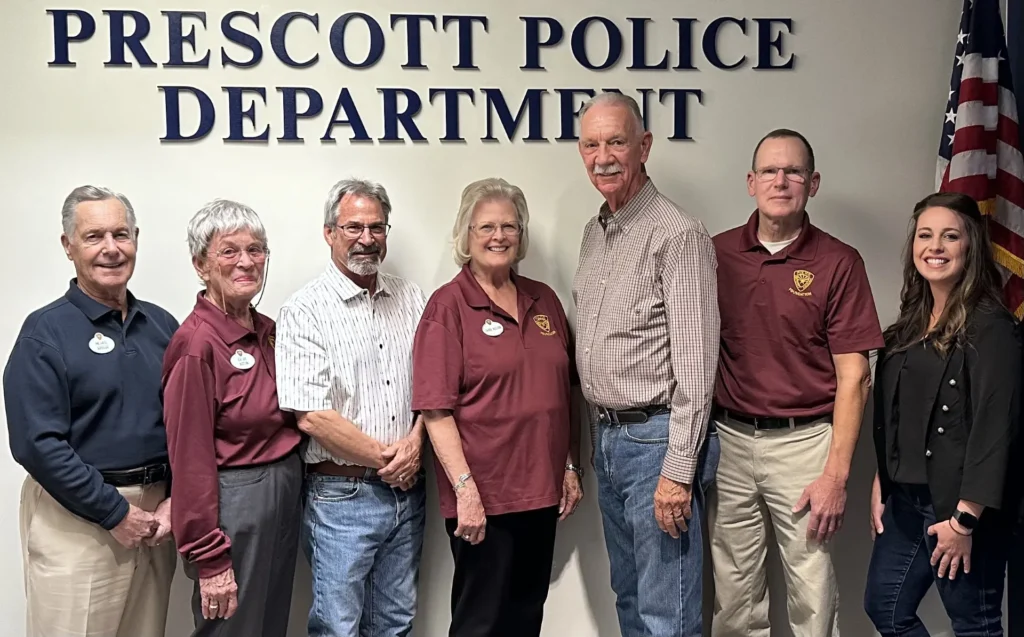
(461,484)
(577,470)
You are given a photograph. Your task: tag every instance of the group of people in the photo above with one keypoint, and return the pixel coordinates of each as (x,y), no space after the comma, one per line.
(724,381)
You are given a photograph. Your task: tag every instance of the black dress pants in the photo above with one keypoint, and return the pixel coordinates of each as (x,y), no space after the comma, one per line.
(501,584)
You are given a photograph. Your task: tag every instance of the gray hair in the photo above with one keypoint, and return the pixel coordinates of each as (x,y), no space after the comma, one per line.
(613,98)
(487,190)
(360,187)
(224,216)
(92,193)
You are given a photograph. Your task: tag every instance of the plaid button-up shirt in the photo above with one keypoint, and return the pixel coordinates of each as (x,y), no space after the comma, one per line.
(646,295)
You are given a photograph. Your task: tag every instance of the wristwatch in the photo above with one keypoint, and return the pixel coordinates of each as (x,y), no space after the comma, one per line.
(577,470)
(965,519)
(461,484)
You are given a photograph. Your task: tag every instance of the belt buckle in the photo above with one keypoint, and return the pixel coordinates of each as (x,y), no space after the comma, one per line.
(609,415)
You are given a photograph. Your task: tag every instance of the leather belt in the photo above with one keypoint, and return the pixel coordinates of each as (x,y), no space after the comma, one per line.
(142,475)
(631,416)
(329,468)
(766,422)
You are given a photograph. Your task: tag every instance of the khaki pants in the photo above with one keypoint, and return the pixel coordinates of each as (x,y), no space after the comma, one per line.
(79,582)
(760,479)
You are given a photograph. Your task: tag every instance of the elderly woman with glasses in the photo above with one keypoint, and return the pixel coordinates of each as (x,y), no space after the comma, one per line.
(492,376)
(236,473)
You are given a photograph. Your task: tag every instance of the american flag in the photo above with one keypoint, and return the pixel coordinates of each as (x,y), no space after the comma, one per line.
(979,154)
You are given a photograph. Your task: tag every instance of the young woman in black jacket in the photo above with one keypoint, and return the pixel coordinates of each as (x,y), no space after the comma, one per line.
(947,404)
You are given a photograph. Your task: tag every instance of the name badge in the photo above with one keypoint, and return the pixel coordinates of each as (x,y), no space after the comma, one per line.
(101,344)
(493,328)
(242,360)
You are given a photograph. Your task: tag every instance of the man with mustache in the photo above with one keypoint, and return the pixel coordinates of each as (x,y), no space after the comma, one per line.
(344,366)
(647,347)
(85,420)
(798,321)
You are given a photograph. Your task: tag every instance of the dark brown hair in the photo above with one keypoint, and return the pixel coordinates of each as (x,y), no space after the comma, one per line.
(980,283)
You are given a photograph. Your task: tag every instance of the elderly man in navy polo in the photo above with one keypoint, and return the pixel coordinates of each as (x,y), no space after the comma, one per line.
(84,416)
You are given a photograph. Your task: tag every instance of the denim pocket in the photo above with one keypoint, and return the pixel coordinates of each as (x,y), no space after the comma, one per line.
(652,432)
(334,489)
(230,478)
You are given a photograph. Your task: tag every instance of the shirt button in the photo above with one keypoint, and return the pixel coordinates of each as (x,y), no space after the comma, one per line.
(387,382)
(602,281)
(928,453)
(945,408)
(382,345)
(588,385)
(392,419)
(586,350)
(952,381)
(941,431)
(762,281)
(593,316)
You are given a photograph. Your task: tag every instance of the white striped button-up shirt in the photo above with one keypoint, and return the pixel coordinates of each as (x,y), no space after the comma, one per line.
(647,322)
(340,348)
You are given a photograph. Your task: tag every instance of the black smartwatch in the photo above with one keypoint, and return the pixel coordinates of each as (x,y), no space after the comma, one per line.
(965,519)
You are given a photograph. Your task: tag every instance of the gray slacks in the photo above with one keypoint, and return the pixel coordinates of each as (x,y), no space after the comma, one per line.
(260,511)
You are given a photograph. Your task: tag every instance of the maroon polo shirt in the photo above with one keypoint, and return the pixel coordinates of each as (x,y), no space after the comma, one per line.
(509,393)
(784,316)
(218,415)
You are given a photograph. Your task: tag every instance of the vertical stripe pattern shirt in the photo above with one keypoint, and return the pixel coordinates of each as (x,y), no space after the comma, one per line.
(646,295)
(339,347)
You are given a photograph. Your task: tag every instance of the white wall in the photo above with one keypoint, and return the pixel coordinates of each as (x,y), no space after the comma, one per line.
(868,90)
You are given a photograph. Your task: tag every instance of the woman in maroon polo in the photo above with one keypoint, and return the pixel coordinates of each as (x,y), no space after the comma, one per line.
(236,475)
(492,369)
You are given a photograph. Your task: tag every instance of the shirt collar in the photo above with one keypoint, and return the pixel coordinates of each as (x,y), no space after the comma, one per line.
(627,214)
(477,298)
(227,328)
(348,288)
(93,309)
(804,248)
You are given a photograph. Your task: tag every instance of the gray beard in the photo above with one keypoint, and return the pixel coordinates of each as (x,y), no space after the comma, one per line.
(359,264)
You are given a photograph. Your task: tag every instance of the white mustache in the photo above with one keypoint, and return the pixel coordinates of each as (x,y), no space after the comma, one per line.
(610,169)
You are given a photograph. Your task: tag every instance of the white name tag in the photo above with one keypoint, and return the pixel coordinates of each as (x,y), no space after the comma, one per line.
(493,328)
(101,344)
(242,360)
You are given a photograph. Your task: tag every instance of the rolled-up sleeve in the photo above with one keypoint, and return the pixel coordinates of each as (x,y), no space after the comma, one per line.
(437,360)
(38,408)
(303,366)
(690,286)
(189,414)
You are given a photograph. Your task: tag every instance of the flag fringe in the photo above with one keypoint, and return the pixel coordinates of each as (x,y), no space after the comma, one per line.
(1008,260)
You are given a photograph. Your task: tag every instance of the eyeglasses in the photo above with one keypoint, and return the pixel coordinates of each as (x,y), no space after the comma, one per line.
(258,254)
(792,173)
(488,229)
(355,230)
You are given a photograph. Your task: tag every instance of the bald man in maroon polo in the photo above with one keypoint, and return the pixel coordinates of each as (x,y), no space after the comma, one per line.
(798,322)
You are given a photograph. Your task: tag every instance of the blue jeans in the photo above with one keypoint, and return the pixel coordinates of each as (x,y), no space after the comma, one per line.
(900,573)
(363,541)
(657,580)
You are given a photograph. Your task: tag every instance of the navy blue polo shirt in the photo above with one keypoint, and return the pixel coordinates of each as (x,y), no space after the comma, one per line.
(82,391)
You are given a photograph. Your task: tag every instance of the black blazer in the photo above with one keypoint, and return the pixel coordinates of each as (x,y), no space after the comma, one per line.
(974,413)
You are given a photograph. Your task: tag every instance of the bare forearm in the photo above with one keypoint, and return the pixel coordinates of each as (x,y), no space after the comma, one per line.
(342,438)
(444,437)
(851,397)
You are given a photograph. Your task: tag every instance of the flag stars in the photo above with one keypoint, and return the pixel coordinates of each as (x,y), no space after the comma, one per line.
(951,116)
(961,37)
(960,59)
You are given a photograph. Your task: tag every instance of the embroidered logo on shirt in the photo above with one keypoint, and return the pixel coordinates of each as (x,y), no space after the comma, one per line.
(802,280)
(544,324)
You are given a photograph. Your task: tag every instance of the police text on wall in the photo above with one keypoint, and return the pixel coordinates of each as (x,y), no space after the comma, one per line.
(355,44)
